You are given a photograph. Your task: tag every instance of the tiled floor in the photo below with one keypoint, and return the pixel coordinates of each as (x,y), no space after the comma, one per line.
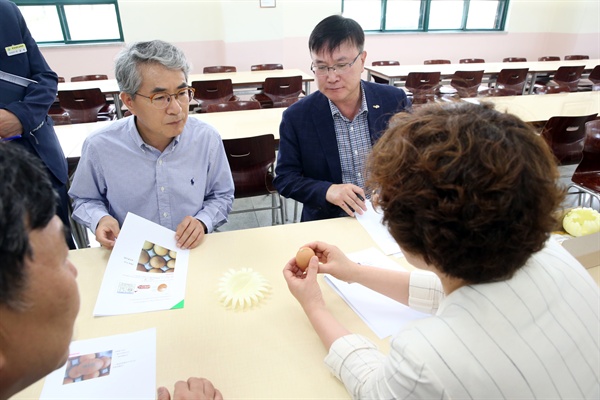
(247,220)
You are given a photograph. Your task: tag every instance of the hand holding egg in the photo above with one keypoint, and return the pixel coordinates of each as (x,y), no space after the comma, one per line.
(303,257)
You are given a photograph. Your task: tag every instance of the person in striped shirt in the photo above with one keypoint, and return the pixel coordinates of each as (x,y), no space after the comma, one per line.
(470,195)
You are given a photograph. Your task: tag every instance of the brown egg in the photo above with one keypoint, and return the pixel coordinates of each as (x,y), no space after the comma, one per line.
(155,271)
(90,366)
(74,372)
(147,245)
(171,263)
(170,270)
(141,268)
(157,262)
(144,257)
(87,357)
(160,251)
(93,375)
(106,361)
(172,254)
(303,257)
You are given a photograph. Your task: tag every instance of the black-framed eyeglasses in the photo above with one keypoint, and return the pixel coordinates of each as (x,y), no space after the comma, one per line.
(161,100)
(322,70)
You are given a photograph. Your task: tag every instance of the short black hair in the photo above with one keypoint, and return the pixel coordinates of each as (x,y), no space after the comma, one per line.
(27,202)
(333,31)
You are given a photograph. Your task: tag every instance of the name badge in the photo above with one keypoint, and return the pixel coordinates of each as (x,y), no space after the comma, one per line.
(16,49)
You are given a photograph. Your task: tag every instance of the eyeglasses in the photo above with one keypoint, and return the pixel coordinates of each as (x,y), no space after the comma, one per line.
(162,100)
(322,70)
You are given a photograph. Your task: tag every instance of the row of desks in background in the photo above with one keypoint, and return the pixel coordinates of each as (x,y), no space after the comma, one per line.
(236,124)
(243,82)
(396,74)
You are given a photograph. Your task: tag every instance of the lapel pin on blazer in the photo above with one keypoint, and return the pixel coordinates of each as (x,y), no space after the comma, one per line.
(375,105)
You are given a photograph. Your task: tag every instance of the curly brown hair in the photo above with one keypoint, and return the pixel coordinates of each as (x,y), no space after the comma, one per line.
(470,189)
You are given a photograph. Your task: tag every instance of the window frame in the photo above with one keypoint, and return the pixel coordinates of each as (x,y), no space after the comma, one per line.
(500,23)
(62,17)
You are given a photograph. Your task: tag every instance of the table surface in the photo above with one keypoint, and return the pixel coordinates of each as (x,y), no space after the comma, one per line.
(229,124)
(268,352)
(402,71)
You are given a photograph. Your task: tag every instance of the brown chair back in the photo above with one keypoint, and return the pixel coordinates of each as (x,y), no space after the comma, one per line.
(276,89)
(568,76)
(232,106)
(437,61)
(82,78)
(471,61)
(265,67)
(251,160)
(82,105)
(587,173)
(423,86)
(467,83)
(577,57)
(549,58)
(514,59)
(213,91)
(512,78)
(383,63)
(214,69)
(565,136)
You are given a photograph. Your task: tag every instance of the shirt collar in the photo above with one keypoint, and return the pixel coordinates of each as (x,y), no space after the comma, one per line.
(139,142)
(363,104)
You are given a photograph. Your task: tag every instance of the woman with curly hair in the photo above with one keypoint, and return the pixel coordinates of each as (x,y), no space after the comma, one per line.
(469,194)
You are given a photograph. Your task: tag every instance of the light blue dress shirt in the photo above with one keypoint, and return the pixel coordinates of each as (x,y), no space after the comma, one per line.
(119,173)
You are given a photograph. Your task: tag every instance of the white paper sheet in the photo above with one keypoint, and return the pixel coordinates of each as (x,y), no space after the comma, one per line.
(383,315)
(371,221)
(135,281)
(124,367)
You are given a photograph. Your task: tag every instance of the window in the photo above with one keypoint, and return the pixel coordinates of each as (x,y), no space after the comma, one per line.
(427,15)
(72,21)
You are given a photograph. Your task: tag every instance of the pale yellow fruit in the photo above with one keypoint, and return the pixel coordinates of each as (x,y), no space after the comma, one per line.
(582,221)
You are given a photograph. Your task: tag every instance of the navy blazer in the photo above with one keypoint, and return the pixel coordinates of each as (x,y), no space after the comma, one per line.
(38,130)
(308,162)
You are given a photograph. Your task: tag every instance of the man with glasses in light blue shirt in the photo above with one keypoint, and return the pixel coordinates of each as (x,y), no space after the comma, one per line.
(325,137)
(158,163)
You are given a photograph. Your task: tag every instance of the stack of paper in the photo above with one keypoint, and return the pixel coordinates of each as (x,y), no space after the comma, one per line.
(383,315)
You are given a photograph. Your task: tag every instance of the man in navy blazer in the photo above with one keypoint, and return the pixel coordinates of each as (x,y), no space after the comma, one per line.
(26,122)
(325,138)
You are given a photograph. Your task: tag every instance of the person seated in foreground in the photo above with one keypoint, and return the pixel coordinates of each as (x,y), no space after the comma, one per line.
(158,163)
(39,298)
(469,194)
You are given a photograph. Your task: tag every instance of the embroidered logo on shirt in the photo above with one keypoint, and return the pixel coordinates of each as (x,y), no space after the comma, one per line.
(192,181)
(16,49)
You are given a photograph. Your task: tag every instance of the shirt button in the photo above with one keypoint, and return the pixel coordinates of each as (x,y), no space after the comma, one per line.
(159,162)
(355,152)
(162,188)
(165,215)
(351,129)
(358,174)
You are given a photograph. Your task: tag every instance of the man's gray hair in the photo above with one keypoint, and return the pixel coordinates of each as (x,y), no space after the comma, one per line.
(136,54)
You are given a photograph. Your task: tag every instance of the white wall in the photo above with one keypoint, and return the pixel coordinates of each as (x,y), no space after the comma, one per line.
(240,33)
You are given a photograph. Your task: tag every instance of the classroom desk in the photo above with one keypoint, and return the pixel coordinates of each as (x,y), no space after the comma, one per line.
(230,125)
(396,74)
(269,352)
(539,108)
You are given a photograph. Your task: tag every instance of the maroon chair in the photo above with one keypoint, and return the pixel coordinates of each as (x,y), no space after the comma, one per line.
(383,63)
(471,61)
(278,90)
(232,106)
(424,86)
(510,78)
(213,91)
(577,57)
(215,69)
(83,105)
(595,78)
(565,137)
(265,67)
(549,58)
(436,61)
(467,83)
(568,76)
(586,177)
(514,59)
(251,160)
(109,108)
